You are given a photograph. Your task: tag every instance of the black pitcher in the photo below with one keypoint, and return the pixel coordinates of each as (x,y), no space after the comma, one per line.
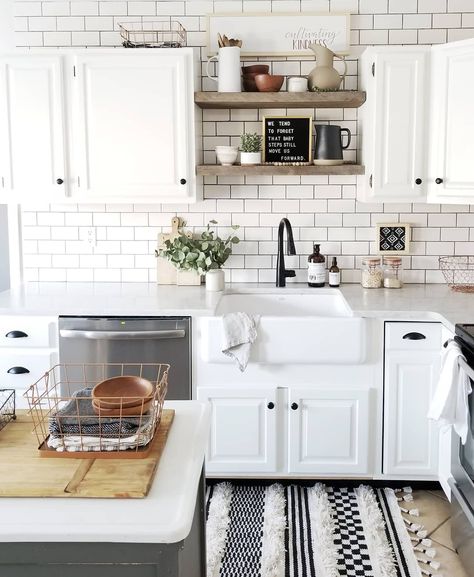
(329,147)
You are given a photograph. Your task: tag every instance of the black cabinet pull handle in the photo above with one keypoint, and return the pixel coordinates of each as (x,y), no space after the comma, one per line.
(18,371)
(414,337)
(418,181)
(294,406)
(271,405)
(182,181)
(438,180)
(59,181)
(16,335)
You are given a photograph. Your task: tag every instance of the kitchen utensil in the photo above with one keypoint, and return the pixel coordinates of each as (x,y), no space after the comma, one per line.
(135,411)
(95,476)
(166,272)
(324,76)
(228,79)
(227,155)
(329,147)
(269,82)
(297,84)
(124,391)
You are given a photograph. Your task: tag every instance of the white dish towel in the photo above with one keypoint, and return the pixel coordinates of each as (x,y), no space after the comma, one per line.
(450,404)
(240,331)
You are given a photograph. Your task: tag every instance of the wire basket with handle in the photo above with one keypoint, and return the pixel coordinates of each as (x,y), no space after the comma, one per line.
(153,34)
(7,407)
(67,423)
(458,272)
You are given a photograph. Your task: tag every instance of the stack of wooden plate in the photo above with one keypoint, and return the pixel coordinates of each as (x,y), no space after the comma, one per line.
(122,396)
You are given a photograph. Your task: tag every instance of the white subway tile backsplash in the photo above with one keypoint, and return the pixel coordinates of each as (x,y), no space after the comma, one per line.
(320,208)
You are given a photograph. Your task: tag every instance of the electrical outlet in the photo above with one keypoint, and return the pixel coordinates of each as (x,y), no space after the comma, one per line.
(91,238)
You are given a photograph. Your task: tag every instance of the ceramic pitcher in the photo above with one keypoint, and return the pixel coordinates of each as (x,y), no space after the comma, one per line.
(228,78)
(324,76)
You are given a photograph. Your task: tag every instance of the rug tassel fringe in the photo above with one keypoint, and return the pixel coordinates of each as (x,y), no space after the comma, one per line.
(323,529)
(421,545)
(217,525)
(273,555)
(403,490)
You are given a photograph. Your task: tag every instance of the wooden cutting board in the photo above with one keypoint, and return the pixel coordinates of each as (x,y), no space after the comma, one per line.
(166,272)
(23,473)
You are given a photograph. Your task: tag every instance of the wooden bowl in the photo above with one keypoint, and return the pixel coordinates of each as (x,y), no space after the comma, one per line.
(136,411)
(255,69)
(120,392)
(248,81)
(269,82)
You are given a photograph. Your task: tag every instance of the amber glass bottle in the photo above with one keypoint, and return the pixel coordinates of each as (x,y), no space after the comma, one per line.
(316,268)
(334,274)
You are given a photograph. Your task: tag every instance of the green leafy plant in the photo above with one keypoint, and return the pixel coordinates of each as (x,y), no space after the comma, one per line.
(201,254)
(250,142)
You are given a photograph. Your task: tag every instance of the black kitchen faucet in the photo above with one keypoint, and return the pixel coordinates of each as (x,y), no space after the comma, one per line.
(281,272)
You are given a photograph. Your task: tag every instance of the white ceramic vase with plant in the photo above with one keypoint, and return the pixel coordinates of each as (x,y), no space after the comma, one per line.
(250,148)
(205,255)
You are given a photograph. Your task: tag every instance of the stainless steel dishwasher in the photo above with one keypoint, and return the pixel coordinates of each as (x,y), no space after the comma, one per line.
(131,340)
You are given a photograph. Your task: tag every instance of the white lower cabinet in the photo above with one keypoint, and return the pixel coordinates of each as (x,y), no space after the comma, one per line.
(296,430)
(329,430)
(411,373)
(243,429)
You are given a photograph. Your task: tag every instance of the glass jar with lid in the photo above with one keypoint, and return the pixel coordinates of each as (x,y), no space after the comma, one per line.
(392,272)
(372,275)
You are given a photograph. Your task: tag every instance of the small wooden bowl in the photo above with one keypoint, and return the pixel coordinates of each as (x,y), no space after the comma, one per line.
(255,69)
(269,82)
(136,411)
(122,392)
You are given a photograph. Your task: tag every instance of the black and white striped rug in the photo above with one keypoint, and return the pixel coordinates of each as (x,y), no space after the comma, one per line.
(316,531)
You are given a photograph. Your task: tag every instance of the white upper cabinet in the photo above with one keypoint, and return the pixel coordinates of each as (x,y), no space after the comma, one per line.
(393,124)
(132,120)
(32,158)
(452,123)
(108,125)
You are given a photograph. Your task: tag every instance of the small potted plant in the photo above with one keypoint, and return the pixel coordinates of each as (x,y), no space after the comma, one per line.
(250,148)
(204,255)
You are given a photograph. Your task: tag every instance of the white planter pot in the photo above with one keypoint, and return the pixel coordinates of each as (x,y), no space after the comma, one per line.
(250,158)
(215,280)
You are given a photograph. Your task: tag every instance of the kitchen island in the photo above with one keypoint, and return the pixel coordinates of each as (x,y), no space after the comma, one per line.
(162,534)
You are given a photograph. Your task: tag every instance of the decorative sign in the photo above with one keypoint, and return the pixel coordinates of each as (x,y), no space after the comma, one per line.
(287,139)
(281,34)
(393,238)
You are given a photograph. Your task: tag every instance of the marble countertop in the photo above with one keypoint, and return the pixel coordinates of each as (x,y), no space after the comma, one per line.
(165,516)
(413,301)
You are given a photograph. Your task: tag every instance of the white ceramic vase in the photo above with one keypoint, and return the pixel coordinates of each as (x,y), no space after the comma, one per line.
(215,280)
(250,158)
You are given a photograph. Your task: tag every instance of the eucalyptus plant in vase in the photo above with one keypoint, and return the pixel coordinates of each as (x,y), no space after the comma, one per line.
(205,254)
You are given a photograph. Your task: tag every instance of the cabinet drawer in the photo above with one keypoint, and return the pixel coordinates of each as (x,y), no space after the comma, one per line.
(412,336)
(22,332)
(35,363)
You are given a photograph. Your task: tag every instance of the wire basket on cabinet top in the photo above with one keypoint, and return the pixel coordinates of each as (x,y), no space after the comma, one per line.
(458,272)
(68,422)
(7,407)
(153,34)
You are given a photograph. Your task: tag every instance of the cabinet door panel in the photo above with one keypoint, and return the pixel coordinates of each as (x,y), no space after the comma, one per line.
(132,122)
(411,440)
(31,128)
(329,431)
(243,430)
(452,123)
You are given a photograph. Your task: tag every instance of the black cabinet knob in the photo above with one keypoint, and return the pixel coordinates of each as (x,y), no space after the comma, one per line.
(182,181)
(59,181)
(294,406)
(271,405)
(438,180)
(418,181)
(414,337)
(18,371)
(16,335)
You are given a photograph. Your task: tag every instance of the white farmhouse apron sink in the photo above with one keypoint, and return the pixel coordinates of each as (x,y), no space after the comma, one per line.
(294,328)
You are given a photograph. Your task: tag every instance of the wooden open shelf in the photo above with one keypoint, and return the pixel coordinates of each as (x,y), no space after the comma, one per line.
(269,169)
(337,99)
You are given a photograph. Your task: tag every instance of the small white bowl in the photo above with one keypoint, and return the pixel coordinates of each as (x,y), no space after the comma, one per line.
(227,155)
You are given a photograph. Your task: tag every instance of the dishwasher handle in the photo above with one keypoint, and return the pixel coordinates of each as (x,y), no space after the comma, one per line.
(122,335)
